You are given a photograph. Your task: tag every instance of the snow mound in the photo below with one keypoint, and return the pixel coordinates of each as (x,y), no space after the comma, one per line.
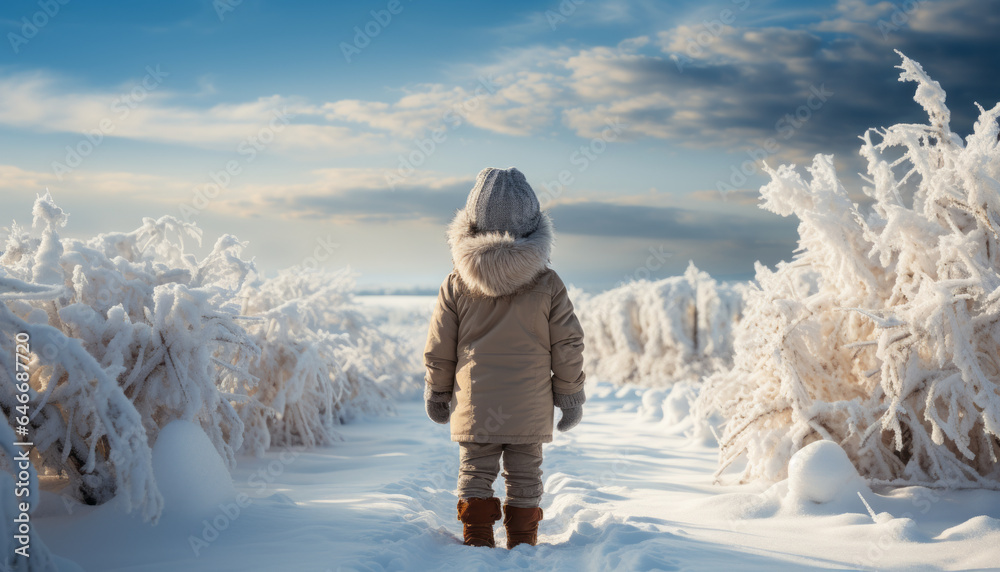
(677,405)
(975,527)
(902,529)
(190,474)
(669,406)
(821,472)
(652,407)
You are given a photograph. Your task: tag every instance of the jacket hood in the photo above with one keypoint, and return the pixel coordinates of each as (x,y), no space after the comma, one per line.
(497,263)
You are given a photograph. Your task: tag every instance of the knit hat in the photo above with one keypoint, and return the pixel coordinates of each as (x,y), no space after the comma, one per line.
(503,201)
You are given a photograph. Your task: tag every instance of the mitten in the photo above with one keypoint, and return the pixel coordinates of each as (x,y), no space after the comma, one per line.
(572,409)
(437,403)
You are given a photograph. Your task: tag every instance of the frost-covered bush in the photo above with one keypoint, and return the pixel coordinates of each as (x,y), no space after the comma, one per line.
(39,558)
(129,332)
(883,333)
(656,333)
(405,318)
(83,426)
(321,360)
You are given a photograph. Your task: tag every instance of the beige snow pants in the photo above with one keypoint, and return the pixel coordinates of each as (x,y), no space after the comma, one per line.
(522,471)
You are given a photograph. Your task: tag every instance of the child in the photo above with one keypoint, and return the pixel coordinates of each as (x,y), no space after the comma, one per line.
(505,346)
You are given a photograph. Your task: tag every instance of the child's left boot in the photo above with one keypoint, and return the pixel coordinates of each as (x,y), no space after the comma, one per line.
(521,524)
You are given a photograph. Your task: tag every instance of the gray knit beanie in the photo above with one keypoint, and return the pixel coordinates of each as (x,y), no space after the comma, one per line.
(503,201)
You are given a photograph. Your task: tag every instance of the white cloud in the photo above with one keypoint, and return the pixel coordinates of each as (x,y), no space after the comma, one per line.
(362,192)
(517,102)
(154,188)
(40,102)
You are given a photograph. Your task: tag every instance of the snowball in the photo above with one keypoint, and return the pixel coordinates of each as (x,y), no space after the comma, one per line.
(189,472)
(821,472)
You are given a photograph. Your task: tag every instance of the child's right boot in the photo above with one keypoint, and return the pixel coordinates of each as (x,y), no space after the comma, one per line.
(477,516)
(522,525)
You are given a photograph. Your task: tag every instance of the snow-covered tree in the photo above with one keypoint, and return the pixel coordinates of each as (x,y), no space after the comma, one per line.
(883,332)
(656,333)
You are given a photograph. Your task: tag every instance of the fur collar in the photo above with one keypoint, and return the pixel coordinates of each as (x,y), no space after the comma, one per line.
(496,264)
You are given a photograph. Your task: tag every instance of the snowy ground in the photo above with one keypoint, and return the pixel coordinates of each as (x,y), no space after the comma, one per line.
(626,490)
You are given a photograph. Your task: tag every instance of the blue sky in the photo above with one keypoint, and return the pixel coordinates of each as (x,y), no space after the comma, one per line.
(645,109)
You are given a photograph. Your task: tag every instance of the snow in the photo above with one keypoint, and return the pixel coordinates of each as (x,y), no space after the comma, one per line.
(628,489)
(190,474)
(975,527)
(622,493)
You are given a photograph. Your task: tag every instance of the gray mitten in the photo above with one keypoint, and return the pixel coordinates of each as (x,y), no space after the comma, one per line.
(437,403)
(572,409)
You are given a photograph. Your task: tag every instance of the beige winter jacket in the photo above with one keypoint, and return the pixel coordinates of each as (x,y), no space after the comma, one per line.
(503,336)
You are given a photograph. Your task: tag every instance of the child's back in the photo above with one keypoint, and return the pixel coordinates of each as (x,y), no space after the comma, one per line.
(505,345)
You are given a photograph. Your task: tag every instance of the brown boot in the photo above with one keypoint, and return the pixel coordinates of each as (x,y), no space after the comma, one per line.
(478,516)
(521,524)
